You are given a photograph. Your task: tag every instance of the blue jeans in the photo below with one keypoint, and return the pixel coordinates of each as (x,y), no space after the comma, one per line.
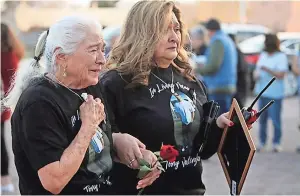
(224,100)
(274,112)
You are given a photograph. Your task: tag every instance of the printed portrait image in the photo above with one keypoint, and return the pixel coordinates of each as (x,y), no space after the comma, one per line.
(186,121)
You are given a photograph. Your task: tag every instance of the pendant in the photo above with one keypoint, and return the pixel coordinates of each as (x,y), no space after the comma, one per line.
(194,97)
(172,89)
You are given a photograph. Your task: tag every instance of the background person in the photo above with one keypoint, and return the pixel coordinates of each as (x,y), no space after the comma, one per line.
(12,52)
(271,63)
(220,70)
(243,76)
(296,71)
(199,40)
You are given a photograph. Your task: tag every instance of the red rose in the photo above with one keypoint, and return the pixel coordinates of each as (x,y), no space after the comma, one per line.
(169,153)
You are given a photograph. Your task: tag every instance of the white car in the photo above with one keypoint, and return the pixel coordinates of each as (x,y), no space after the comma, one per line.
(256,44)
(244,31)
(289,41)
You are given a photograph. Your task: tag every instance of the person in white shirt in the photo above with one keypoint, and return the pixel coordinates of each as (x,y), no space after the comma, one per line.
(272,63)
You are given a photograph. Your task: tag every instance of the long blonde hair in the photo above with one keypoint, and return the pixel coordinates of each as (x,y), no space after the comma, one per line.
(144,27)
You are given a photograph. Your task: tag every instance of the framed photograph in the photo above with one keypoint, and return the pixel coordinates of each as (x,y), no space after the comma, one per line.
(236,150)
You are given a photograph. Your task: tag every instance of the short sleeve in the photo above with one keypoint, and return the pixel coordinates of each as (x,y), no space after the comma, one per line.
(282,63)
(44,137)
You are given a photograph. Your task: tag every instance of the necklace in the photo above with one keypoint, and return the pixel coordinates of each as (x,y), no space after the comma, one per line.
(82,97)
(65,86)
(172,85)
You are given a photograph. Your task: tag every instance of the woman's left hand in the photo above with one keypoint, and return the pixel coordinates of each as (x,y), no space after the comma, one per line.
(223,121)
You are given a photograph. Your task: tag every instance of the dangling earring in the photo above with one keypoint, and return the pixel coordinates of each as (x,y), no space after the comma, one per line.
(64,73)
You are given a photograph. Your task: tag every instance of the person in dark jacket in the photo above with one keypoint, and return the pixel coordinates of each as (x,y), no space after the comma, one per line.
(198,39)
(243,78)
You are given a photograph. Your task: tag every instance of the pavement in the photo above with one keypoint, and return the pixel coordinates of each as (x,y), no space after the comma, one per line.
(269,174)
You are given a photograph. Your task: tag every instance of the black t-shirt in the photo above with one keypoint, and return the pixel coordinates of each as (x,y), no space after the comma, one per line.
(44,123)
(156,116)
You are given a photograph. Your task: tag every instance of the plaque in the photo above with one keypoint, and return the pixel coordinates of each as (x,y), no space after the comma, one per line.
(237,149)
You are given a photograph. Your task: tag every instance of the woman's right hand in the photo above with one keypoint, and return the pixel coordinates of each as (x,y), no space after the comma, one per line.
(92,113)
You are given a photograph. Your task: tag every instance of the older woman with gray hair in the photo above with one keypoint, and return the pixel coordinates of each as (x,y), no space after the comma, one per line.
(198,36)
(61,138)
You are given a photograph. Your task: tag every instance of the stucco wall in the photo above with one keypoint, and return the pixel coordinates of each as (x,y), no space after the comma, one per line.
(278,15)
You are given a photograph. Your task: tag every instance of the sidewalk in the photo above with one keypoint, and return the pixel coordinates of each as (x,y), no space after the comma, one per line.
(270,173)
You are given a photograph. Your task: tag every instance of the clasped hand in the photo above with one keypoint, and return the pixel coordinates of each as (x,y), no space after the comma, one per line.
(129,151)
(92,113)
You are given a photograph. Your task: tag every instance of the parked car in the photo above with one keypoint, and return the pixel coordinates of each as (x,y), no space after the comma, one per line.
(290,47)
(244,31)
(252,48)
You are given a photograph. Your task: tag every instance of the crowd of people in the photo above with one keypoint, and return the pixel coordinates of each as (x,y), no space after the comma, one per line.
(271,63)
(98,113)
(212,55)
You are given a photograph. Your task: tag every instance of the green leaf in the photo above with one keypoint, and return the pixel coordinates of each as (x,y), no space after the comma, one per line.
(144,170)
(142,162)
(141,191)
(157,153)
(160,167)
(160,159)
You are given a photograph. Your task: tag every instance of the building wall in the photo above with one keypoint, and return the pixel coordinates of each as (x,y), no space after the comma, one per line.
(271,14)
(278,15)
(227,11)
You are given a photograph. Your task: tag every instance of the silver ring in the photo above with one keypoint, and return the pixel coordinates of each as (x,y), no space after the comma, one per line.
(130,163)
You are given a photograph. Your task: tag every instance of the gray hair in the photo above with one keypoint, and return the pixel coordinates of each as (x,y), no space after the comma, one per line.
(198,31)
(63,37)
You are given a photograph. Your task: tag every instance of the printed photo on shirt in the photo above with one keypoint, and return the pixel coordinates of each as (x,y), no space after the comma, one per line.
(99,160)
(186,119)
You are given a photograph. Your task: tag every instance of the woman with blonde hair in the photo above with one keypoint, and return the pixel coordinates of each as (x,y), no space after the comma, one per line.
(153,95)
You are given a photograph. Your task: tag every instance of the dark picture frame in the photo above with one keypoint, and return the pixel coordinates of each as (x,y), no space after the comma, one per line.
(236,150)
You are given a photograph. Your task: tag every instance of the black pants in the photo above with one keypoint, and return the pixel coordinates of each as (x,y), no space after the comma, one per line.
(4,154)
